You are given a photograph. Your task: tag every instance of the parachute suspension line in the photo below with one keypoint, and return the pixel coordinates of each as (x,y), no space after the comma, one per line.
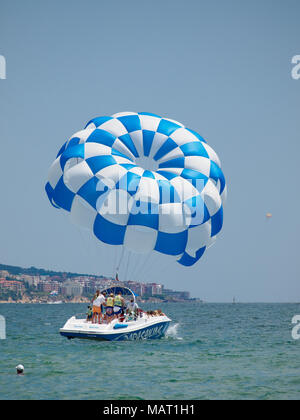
(100,253)
(137,267)
(153,264)
(114,268)
(84,242)
(141,268)
(139,262)
(90,250)
(130,270)
(127,266)
(119,264)
(149,265)
(97,252)
(166,266)
(82,238)
(113,272)
(121,259)
(122,266)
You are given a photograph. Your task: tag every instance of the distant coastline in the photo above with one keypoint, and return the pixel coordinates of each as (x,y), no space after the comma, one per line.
(41,286)
(87,301)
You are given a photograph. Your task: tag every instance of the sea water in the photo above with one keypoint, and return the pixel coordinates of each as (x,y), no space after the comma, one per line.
(211,351)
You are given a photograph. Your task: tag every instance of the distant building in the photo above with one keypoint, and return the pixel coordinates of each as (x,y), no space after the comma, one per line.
(31,280)
(4,273)
(49,286)
(71,288)
(156,289)
(88,289)
(78,284)
(14,285)
(42,277)
(153,289)
(138,288)
(176,294)
(101,284)
(56,278)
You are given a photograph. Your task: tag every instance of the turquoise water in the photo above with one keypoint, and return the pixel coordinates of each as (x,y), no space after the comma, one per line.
(212,351)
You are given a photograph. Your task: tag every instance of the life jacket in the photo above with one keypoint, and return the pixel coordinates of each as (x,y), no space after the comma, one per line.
(118,301)
(110,301)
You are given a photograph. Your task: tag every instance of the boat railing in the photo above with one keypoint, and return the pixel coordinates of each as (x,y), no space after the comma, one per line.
(81,315)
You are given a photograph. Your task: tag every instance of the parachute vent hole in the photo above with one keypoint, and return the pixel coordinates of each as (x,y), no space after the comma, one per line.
(147,163)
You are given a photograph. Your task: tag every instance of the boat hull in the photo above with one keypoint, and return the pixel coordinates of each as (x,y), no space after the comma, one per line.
(154,330)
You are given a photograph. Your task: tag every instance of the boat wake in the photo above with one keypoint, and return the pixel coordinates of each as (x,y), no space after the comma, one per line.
(172,332)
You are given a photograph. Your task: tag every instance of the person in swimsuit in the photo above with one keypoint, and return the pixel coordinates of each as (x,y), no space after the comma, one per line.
(109,307)
(98,300)
(119,303)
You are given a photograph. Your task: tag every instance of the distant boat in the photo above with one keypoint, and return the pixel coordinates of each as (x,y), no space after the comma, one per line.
(233,301)
(55,303)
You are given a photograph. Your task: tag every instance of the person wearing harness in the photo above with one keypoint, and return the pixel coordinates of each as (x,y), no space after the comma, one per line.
(98,300)
(119,303)
(109,312)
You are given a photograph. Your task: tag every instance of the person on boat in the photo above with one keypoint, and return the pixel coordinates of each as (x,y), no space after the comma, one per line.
(140,312)
(122,316)
(109,307)
(160,312)
(119,303)
(89,313)
(98,300)
(132,308)
(103,305)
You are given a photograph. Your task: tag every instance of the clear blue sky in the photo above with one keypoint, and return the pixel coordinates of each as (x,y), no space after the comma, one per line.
(222,68)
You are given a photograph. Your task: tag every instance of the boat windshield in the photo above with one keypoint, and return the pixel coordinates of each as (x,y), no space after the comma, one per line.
(125,291)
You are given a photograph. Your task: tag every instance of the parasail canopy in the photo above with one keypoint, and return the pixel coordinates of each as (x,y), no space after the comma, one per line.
(141,181)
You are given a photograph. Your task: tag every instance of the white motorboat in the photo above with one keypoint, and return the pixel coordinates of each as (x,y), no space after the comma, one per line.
(144,326)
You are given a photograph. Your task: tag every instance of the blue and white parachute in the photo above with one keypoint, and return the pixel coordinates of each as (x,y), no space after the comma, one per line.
(142,181)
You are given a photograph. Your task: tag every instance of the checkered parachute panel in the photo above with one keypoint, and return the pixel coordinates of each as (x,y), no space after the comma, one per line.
(142,181)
